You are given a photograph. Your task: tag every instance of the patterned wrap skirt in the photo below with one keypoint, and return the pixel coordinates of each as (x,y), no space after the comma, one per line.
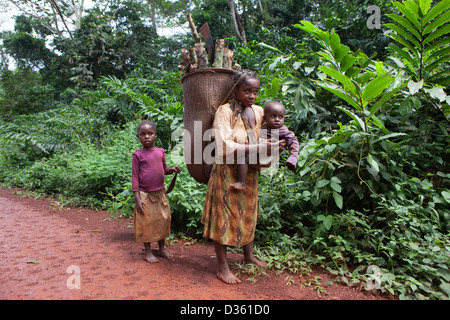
(229,216)
(154,225)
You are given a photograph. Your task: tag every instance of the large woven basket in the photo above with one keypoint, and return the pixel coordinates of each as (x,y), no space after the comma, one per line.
(203,91)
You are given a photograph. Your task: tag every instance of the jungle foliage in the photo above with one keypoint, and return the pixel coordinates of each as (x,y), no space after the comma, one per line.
(370,198)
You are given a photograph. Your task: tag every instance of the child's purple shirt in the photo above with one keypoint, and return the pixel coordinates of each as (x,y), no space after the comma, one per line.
(148,170)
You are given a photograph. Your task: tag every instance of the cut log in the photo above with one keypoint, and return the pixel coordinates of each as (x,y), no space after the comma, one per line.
(218,55)
(193,59)
(202,56)
(184,66)
(227,58)
(193,28)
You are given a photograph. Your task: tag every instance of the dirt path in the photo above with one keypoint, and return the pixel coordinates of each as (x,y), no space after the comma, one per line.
(50,253)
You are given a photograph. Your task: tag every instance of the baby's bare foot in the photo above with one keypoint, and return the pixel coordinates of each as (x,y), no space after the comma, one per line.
(238,186)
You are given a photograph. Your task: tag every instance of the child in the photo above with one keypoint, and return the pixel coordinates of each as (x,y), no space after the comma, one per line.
(152,211)
(274,114)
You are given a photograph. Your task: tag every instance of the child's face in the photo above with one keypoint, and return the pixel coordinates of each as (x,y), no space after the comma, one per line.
(147,136)
(274,116)
(247,92)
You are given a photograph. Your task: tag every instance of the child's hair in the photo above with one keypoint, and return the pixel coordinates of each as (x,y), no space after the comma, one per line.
(244,74)
(145,122)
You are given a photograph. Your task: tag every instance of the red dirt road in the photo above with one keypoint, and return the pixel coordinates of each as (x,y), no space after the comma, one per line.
(42,246)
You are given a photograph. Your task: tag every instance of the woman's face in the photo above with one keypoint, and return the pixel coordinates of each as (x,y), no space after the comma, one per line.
(247,92)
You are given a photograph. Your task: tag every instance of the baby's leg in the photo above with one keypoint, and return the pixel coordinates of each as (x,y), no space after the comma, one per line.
(240,184)
(243,171)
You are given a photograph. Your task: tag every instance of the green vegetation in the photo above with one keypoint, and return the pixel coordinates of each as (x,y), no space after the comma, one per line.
(370,199)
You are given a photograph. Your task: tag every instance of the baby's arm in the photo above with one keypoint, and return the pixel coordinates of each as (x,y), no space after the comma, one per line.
(294,146)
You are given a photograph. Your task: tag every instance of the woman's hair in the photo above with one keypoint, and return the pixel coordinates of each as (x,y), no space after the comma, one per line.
(145,122)
(244,74)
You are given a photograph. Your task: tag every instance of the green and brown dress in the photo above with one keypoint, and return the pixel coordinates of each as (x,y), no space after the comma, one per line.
(229,216)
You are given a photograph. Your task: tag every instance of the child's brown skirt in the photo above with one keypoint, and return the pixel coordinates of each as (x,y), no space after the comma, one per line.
(154,225)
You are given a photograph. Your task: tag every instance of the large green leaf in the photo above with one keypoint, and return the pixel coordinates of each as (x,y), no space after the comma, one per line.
(406,44)
(347,62)
(405,23)
(408,13)
(404,34)
(440,43)
(439,21)
(340,93)
(436,34)
(354,117)
(386,97)
(375,87)
(435,11)
(339,200)
(424,6)
(404,54)
(342,78)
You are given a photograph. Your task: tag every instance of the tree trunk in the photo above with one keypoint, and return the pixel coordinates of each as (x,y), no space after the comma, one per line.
(53,3)
(153,10)
(78,11)
(237,22)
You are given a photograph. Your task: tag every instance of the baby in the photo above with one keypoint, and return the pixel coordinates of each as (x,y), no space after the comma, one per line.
(274,114)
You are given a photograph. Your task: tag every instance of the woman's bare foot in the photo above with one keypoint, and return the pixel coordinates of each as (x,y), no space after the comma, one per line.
(249,256)
(256,262)
(238,186)
(227,277)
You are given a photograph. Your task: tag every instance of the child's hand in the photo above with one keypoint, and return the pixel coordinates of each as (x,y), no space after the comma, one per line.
(139,205)
(177,169)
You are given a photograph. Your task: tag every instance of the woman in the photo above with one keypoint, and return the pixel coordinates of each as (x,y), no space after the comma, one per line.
(230,215)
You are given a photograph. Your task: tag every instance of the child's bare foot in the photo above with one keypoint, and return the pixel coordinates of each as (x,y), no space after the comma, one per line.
(255,261)
(227,277)
(149,257)
(238,186)
(163,253)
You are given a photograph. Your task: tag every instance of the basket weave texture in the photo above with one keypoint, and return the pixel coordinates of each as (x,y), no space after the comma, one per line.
(203,91)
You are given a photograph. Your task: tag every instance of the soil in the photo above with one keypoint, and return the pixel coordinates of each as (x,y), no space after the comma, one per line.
(48,252)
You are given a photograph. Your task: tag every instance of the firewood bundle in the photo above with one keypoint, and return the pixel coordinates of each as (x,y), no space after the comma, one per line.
(215,56)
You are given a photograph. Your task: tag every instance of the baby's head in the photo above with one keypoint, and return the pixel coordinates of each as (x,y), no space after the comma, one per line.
(274,113)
